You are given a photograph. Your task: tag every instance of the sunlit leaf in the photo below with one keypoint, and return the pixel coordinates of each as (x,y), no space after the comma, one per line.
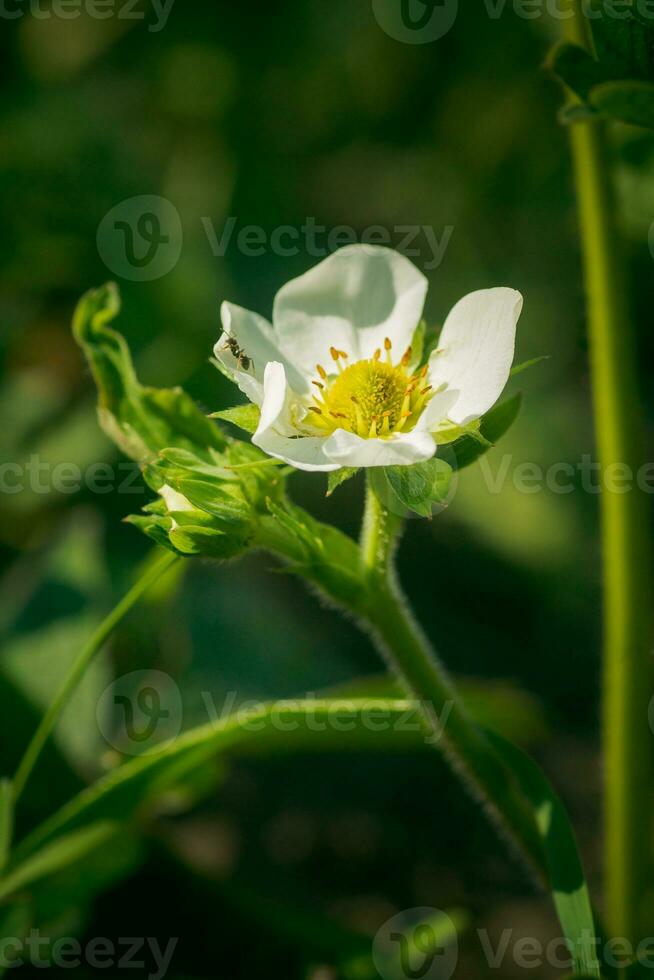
(246,417)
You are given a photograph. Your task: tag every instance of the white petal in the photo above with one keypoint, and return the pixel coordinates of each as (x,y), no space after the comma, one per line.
(476,349)
(438,410)
(403,449)
(272,435)
(255,337)
(352,300)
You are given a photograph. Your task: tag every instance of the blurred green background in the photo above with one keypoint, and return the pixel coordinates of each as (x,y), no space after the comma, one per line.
(272,115)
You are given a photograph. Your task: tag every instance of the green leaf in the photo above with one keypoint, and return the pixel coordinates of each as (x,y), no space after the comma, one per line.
(6,820)
(285,727)
(280,727)
(629,101)
(56,856)
(246,417)
(335,479)
(493,426)
(567,881)
(141,421)
(420,486)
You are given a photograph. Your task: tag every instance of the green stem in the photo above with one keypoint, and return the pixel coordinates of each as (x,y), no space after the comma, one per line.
(624,521)
(78,668)
(407,651)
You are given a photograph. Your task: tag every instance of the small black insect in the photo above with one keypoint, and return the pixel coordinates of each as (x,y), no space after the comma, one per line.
(243,360)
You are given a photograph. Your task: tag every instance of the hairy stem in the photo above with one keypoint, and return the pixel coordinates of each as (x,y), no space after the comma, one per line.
(408,653)
(624,522)
(78,669)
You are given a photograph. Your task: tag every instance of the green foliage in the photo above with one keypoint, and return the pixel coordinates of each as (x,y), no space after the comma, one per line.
(619,82)
(89,820)
(567,882)
(246,417)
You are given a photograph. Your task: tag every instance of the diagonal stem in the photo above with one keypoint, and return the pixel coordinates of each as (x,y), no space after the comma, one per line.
(78,669)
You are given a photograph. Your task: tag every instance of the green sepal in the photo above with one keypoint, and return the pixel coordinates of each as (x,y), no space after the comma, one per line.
(206,541)
(415,488)
(246,417)
(338,477)
(493,426)
(155,528)
(418,345)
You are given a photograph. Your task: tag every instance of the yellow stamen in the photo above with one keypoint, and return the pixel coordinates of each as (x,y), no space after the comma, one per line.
(321,371)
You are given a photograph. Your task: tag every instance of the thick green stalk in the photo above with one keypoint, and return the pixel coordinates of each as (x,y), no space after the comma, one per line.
(624,520)
(78,668)
(409,654)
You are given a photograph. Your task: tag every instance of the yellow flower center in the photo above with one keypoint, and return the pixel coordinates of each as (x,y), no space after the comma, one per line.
(372,398)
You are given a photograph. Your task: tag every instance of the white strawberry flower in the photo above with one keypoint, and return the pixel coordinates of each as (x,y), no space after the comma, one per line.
(335,376)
